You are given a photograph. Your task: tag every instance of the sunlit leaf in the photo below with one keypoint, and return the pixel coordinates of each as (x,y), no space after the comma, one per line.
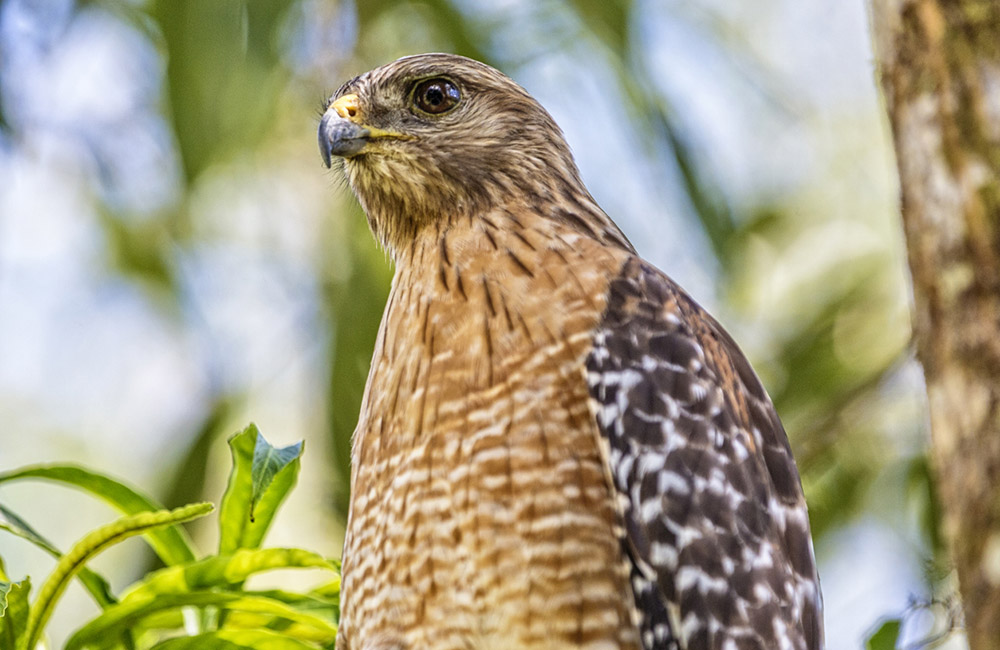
(133,609)
(13,611)
(226,570)
(246,513)
(208,641)
(92,544)
(236,640)
(326,607)
(97,586)
(171,544)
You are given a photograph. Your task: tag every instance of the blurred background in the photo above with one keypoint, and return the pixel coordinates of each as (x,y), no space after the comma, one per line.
(175,261)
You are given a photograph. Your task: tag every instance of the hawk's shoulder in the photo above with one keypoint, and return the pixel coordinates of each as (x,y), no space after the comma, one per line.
(714,518)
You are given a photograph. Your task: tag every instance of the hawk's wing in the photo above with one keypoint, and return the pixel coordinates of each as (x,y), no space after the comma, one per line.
(715,522)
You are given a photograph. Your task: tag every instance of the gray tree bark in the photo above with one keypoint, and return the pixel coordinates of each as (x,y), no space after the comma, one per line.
(939,66)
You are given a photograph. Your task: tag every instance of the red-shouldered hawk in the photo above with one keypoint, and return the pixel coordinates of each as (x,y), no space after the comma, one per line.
(558,448)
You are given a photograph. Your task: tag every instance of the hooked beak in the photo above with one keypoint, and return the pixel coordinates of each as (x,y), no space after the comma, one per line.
(340,131)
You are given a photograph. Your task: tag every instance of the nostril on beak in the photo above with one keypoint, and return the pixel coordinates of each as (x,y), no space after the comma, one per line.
(346,106)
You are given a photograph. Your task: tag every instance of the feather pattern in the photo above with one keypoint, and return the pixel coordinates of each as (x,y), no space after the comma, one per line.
(715,523)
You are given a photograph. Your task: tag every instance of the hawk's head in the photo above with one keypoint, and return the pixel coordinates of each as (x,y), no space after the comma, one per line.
(439,136)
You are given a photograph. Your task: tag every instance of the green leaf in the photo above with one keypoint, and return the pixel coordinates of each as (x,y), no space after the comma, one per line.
(93,543)
(885,637)
(134,610)
(226,570)
(13,611)
(260,480)
(171,544)
(325,607)
(4,589)
(267,462)
(210,641)
(13,524)
(328,590)
(235,640)
(95,584)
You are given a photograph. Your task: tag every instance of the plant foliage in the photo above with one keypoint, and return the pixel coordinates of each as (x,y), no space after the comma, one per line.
(193,602)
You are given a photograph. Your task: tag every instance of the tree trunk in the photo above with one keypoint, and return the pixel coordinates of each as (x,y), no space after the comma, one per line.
(939,65)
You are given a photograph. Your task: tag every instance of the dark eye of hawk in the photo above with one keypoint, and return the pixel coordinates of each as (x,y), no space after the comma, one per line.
(436,96)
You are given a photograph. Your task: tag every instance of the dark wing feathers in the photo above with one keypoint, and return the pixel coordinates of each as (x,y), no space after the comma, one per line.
(714,519)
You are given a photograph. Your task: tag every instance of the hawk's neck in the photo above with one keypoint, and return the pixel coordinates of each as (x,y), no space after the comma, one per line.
(496,287)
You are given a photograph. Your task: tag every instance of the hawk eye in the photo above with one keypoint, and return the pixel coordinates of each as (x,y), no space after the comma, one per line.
(436,96)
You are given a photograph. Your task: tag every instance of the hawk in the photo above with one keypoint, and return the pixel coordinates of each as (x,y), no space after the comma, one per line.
(557,447)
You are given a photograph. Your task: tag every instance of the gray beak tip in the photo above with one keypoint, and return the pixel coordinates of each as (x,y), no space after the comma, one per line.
(340,137)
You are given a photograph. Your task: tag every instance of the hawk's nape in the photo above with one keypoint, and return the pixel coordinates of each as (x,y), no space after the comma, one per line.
(557,448)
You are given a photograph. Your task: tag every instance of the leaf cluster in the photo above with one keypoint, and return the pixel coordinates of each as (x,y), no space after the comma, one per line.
(193,602)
